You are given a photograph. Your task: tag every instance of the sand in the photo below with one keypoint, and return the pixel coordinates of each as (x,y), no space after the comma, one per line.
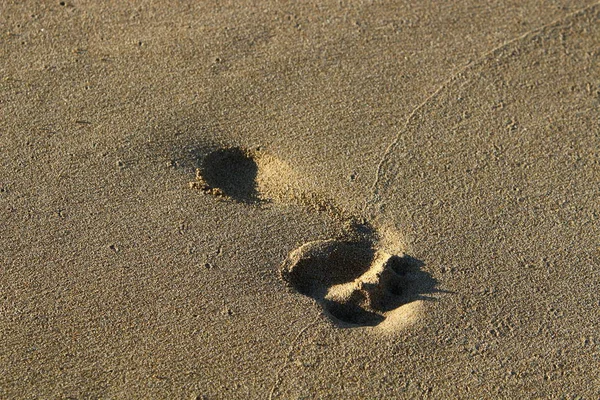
(299,200)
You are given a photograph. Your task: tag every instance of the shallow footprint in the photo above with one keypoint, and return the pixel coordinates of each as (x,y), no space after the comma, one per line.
(254,176)
(229,172)
(355,284)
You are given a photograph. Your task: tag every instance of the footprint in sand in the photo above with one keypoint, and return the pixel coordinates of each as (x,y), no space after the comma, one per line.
(230,173)
(354,283)
(356,279)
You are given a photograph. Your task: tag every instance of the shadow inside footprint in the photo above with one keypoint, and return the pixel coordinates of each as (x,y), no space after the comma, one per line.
(230,172)
(317,266)
(355,284)
(353,314)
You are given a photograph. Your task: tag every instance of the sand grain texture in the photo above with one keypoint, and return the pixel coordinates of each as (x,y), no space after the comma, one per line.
(461,135)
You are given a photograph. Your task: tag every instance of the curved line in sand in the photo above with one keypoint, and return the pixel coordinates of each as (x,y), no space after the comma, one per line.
(372,198)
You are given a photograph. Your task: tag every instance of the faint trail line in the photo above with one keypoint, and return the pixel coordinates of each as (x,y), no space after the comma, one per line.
(372,198)
(289,353)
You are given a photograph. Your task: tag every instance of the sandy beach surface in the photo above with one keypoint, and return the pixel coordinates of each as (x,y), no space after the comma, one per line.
(299,200)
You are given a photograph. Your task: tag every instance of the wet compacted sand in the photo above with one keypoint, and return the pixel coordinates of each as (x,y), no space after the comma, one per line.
(205,200)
